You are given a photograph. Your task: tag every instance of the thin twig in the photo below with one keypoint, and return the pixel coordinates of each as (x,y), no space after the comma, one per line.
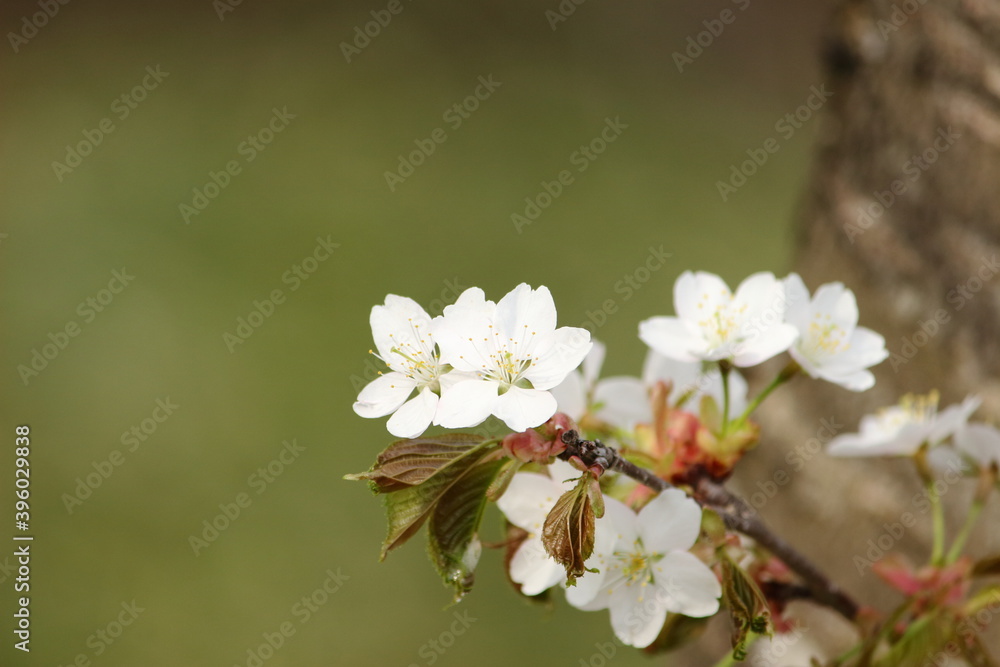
(734,511)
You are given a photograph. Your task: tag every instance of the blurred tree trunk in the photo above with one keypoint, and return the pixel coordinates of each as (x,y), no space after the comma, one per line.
(903,206)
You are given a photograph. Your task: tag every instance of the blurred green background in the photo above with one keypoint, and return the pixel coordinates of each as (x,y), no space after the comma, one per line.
(447,226)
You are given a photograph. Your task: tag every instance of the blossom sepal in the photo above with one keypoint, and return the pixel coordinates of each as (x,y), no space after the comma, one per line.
(540,444)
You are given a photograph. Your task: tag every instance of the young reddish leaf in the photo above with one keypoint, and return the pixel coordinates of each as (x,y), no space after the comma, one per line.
(406,463)
(409,506)
(568,532)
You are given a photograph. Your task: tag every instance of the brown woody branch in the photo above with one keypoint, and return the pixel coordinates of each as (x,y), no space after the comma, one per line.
(734,511)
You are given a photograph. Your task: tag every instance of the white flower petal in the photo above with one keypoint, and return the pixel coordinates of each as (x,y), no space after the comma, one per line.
(400,324)
(674,338)
(686,585)
(528,500)
(944,458)
(979,441)
(797,309)
(637,619)
(623,401)
(471,300)
(670,521)
(413,418)
(697,294)
(462,337)
(761,345)
(383,395)
(593,362)
(952,418)
(466,403)
(861,380)
(571,396)
(762,296)
(561,352)
(624,521)
(534,569)
(524,309)
(522,409)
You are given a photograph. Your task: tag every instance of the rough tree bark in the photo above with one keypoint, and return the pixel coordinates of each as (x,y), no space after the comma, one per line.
(903,206)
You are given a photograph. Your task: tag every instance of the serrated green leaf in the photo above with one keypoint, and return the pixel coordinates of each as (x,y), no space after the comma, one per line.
(747,605)
(407,463)
(453,530)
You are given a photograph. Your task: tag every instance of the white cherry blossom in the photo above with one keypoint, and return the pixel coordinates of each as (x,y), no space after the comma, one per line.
(513,354)
(403,337)
(713,323)
(526,503)
(830,345)
(900,430)
(980,442)
(649,571)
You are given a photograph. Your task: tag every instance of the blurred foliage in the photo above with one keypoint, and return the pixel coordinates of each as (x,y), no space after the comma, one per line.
(446,227)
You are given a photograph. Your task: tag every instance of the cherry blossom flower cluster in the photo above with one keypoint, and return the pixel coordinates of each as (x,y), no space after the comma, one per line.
(763,318)
(639,554)
(477,359)
(641,567)
(481,358)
